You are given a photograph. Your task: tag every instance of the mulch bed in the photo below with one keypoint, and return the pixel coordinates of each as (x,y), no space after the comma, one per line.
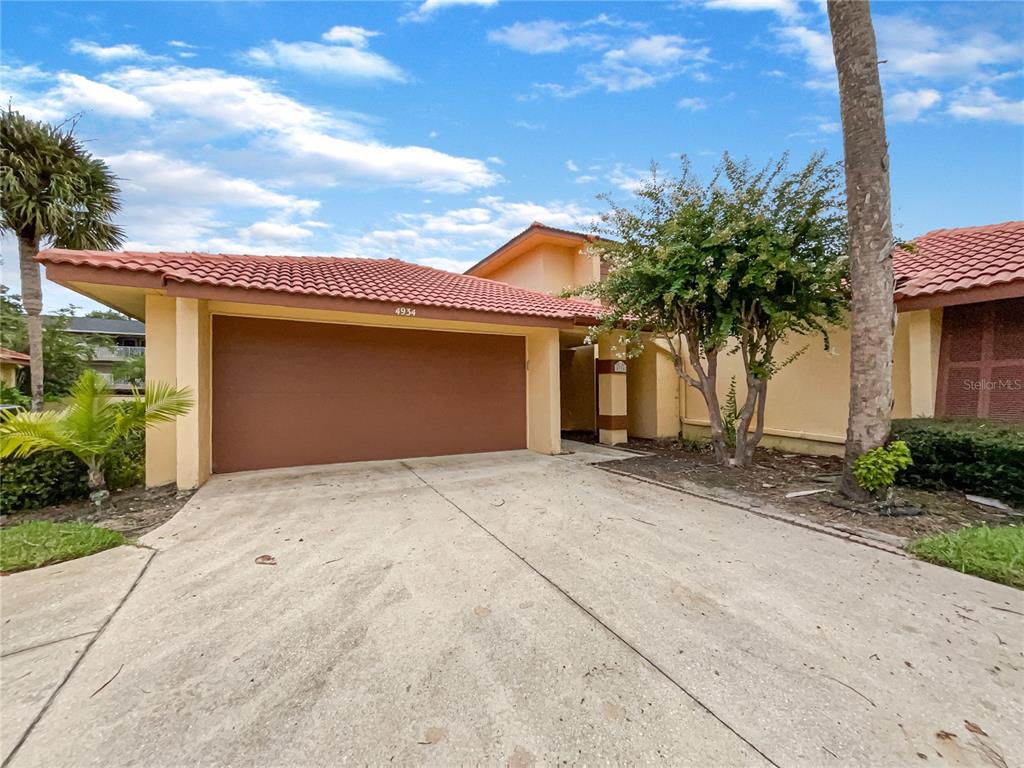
(775,473)
(133,511)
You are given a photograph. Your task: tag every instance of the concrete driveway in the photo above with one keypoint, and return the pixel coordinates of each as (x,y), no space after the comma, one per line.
(513,609)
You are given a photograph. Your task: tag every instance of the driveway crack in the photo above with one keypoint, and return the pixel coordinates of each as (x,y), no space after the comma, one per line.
(654,665)
(81,656)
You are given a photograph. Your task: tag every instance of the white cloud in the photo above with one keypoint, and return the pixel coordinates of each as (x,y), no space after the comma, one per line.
(343,61)
(642,63)
(985,104)
(907,106)
(815,45)
(627,179)
(785,8)
(110,53)
(154,177)
(77,91)
(180,44)
(334,145)
(354,36)
(457,238)
(571,166)
(693,104)
(913,49)
(403,166)
(274,231)
(429,7)
(526,125)
(543,36)
(585,179)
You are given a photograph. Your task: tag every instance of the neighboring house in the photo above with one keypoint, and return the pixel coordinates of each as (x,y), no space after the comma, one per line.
(10,362)
(299,361)
(127,338)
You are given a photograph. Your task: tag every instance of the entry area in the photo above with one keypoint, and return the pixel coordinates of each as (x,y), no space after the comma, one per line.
(289,393)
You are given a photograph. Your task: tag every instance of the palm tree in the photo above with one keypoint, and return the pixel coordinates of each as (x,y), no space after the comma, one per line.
(54,193)
(92,423)
(872,316)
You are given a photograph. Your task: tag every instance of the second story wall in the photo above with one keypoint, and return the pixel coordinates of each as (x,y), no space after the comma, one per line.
(548,268)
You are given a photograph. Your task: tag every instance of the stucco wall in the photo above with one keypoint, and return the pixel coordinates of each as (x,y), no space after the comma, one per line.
(8,373)
(548,268)
(161,342)
(808,400)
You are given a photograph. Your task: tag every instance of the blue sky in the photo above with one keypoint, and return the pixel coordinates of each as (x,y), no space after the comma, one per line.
(433,131)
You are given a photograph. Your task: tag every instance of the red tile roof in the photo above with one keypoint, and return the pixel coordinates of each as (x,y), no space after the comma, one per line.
(950,260)
(378,280)
(10,356)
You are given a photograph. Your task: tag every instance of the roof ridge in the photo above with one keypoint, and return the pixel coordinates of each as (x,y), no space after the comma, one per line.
(1012,224)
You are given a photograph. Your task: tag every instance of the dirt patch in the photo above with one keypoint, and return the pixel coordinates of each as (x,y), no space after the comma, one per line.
(774,474)
(133,512)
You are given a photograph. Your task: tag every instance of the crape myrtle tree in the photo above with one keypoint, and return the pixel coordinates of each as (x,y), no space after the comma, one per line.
(53,193)
(733,266)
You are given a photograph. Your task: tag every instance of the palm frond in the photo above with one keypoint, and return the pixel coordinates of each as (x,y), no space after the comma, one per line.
(92,414)
(162,402)
(23,433)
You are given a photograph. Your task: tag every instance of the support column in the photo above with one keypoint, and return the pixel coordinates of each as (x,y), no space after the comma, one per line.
(925,335)
(161,340)
(192,365)
(543,393)
(612,413)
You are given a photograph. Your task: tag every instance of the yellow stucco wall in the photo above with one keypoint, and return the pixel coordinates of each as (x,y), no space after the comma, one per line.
(808,400)
(161,343)
(652,393)
(548,268)
(8,373)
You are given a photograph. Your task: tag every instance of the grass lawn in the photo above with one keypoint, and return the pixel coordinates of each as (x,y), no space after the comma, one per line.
(31,545)
(996,554)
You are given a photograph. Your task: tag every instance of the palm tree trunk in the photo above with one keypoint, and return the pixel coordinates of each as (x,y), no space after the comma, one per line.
(96,480)
(870,232)
(32,300)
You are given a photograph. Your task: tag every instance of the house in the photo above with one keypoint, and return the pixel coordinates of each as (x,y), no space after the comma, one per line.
(299,361)
(10,362)
(127,339)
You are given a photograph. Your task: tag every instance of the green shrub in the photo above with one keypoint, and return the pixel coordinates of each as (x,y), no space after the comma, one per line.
(968,455)
(126,462)
(13,396)
(877,468)
(56,477)
(996,554)
(41,480)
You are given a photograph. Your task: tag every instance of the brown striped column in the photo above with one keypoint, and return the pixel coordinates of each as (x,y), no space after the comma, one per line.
(612,418)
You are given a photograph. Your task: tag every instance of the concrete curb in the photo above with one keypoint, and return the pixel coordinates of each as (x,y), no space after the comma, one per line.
(769,512)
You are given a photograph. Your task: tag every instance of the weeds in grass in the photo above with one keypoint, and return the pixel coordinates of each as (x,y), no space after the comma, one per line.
(996,554)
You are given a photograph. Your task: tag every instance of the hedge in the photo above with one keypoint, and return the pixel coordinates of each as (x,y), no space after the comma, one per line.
(973,456)
(49,478)
(41,480)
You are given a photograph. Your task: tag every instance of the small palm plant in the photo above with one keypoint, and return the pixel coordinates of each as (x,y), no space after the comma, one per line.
(91,423)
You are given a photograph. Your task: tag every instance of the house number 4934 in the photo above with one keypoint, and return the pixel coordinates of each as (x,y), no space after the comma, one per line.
(405,311)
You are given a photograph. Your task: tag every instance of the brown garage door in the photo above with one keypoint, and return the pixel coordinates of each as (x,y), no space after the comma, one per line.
(289,393)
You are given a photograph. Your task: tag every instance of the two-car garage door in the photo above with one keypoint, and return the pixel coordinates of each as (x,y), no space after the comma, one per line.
(289,393)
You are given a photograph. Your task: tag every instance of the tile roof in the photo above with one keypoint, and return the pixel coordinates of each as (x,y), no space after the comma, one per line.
(378,280)
(10,356)
(950,260)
